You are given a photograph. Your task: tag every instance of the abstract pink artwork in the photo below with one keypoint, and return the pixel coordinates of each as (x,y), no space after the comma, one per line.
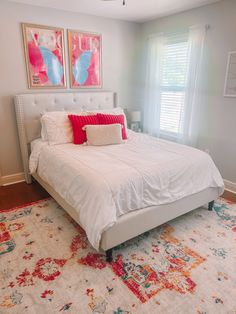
(44,54)
(85,59)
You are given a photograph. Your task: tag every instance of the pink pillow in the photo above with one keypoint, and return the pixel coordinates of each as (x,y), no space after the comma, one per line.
(77,123)
(113,119)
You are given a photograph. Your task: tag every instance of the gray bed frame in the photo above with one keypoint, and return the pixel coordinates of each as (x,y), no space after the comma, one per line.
(30,107)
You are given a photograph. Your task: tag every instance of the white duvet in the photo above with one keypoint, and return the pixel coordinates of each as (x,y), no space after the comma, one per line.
(103,183)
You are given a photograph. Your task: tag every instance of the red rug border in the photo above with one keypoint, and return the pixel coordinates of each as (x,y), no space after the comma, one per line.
(24,205)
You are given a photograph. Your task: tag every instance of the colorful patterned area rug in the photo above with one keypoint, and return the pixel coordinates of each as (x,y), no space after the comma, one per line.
(186,266)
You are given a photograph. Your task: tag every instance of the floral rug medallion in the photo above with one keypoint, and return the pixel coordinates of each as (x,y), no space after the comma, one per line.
(186,266)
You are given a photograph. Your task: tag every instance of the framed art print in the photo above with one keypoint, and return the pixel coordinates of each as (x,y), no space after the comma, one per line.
(230,79)
(84,59)
(44,56)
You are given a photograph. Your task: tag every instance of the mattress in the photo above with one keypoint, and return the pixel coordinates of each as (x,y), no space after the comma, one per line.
(104,183)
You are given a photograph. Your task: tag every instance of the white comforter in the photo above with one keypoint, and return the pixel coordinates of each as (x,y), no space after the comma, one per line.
(103,183)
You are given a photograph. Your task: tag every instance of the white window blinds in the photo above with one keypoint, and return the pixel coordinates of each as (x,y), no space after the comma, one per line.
(174,66)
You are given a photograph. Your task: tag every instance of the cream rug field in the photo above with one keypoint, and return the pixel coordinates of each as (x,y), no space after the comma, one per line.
(186,266)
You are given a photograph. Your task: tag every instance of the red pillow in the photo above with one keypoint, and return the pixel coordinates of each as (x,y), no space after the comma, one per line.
(111,119)
(78,122)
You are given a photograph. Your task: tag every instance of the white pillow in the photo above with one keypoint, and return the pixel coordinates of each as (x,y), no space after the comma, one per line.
(56,127)
(106,134)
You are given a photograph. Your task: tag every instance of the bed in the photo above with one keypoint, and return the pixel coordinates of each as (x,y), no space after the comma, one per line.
(113,192)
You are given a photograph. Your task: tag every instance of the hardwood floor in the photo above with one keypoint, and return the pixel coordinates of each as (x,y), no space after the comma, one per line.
(22,193)
(230,196)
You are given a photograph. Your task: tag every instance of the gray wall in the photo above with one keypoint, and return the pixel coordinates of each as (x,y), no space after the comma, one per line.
(218,127)
(118,58)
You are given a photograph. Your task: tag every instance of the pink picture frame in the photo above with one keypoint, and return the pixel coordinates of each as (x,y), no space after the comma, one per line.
(44,56)
(85,59)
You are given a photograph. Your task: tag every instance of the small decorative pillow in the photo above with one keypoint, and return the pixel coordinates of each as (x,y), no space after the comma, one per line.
(78,122)
(56,127)
(111,119)
(99,135)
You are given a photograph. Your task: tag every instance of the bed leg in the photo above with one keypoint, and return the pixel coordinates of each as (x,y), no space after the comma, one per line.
(210,205)
(109,257)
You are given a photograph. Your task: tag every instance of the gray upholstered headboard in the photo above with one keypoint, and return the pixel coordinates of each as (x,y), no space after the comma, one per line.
(30,107)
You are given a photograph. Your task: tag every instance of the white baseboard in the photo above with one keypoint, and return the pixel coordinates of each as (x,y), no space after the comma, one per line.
(230,186)
(13,178)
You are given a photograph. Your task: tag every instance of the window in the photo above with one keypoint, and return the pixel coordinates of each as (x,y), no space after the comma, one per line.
(173,84)
(174,66)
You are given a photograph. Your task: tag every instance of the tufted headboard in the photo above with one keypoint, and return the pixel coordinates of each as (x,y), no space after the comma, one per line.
(30,107)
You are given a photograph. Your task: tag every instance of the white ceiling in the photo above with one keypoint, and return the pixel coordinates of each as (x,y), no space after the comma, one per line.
(134,10)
